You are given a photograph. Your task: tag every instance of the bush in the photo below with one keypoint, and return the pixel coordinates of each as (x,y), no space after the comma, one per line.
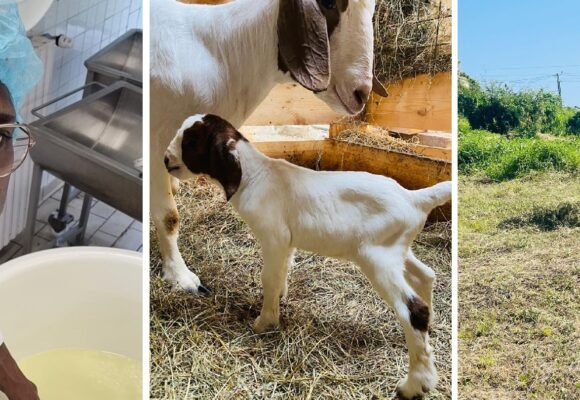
(463,124)
(497,108)
(477,150)
(502,159)
(573,125)
(522,156)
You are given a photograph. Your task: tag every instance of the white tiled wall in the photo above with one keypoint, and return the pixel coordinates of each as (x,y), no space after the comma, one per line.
(92,24)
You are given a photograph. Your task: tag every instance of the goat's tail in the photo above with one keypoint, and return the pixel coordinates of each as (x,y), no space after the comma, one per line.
(433,196)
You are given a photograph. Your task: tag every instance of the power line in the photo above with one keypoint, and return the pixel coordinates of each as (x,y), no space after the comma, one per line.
(536,67)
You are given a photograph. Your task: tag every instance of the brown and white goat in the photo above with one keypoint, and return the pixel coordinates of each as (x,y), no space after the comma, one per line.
(368,219)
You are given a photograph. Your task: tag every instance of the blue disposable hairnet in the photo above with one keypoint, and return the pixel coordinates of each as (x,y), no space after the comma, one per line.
(20,67)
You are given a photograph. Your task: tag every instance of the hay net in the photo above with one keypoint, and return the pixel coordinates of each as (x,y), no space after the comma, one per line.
(412,37)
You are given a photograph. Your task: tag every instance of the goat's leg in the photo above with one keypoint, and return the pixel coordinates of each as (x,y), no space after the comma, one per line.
(166,220)
(174,185)
(274,282)
(289,263)
(421,278)
(385,271)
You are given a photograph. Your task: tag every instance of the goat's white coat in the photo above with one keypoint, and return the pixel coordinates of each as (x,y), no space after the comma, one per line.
(365,218)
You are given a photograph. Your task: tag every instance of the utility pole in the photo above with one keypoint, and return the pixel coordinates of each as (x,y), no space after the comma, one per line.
(559,87)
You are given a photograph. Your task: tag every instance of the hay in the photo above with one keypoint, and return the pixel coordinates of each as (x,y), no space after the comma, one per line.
(412,37)
(338,339)
(379,138)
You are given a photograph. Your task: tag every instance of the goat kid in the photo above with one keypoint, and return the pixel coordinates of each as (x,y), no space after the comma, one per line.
(365,218)
(225,59)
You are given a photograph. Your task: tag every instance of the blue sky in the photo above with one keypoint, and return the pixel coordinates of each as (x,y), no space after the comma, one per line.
(523,43)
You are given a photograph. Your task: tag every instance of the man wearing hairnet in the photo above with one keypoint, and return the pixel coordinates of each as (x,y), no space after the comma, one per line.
(20,70)
(13,383)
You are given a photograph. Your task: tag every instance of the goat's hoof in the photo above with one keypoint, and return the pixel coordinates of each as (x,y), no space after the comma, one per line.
(262,325)
(401,396)
(406,393)
(201,290)
(186,281)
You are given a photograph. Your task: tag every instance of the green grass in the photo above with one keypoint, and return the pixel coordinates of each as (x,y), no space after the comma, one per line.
(501,158)
(519,274)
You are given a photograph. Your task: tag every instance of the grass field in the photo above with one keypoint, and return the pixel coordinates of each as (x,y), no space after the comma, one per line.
(519,280)
(338,338)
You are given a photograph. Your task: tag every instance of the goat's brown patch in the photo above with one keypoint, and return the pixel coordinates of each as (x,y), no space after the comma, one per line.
(303,43)
(304,29)
(171,221)
(208,148)
(332,15)
(419,313)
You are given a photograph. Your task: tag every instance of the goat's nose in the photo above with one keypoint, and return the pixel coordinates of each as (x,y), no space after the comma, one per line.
(362,93)
(166,161)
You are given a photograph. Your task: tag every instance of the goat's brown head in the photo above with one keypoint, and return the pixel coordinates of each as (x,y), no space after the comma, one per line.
(327,47)
(206,145)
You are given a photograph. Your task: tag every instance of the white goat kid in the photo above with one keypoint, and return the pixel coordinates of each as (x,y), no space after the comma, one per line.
(225,59)
(368,219)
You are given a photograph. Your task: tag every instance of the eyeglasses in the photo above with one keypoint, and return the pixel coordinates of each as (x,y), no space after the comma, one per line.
(15,143)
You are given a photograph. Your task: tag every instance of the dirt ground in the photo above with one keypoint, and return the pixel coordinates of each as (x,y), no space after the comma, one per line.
(338,339)
(519,280)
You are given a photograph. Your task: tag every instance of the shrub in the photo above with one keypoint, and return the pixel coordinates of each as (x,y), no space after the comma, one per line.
(573,124)
(463,124)
(497,108)
(521,156)
(477,150)
(502,159)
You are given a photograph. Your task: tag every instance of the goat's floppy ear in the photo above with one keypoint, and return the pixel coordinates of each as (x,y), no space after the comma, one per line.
(303,43)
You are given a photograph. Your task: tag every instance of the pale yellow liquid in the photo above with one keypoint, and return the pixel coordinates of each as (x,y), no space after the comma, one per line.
(75,374)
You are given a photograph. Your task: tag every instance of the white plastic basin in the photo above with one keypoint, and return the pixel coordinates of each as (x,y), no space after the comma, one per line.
(79,297)
(32,11)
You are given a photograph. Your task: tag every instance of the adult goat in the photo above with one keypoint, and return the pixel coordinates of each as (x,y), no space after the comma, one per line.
(224,59)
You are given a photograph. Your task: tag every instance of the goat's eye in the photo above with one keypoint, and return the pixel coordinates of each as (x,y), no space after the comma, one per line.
(330,4)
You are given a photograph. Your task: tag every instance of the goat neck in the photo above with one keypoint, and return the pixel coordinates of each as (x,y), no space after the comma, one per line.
(255,166)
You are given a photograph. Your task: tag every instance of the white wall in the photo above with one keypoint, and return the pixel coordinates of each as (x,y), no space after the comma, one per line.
(92,24)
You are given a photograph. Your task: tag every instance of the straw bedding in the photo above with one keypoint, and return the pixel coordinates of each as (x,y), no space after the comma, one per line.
(412,37)
(338,339)
(378,138)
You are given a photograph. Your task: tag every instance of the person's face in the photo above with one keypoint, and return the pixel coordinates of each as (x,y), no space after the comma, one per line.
(7,115)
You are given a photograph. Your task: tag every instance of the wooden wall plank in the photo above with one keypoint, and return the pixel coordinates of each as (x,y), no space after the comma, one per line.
(423,102)
(306,153)
(291,104)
